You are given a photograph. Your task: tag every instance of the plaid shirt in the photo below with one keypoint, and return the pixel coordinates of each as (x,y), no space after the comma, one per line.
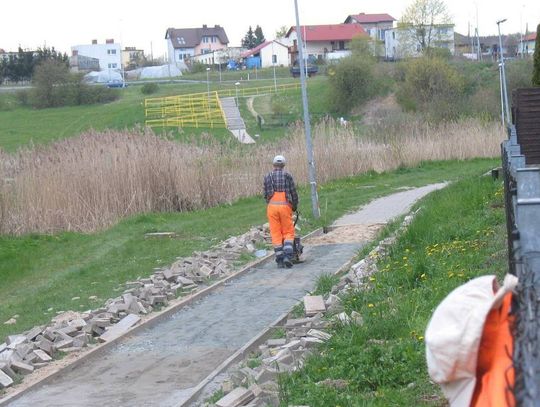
(280,181)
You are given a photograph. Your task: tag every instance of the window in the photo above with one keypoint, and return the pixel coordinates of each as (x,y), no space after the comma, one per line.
(111,51)
(112,66)
(274,59)
(342,45)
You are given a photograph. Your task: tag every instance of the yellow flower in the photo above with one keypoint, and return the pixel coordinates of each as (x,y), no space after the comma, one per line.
(370,305)
(372,279)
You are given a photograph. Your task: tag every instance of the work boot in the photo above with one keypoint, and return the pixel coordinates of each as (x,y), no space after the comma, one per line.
(288,253)
(280,257)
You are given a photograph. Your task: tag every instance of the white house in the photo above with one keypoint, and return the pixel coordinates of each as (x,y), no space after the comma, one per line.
(374,24)
(108,54)
(403,42)
(322,40)
(271,53)
(528,44)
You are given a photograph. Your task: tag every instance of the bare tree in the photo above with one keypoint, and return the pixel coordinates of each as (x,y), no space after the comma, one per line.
(421,21)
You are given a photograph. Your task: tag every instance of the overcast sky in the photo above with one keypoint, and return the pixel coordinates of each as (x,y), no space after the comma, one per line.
(142,24)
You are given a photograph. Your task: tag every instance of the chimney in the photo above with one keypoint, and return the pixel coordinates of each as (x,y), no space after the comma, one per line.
(216,26)
(94,42)
(204,26)
(109,41)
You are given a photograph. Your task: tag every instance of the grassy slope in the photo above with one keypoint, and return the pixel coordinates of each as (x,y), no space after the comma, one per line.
(21,126)
(458,235)
(42,272)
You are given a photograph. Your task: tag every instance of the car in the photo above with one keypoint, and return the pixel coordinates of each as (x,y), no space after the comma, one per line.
(311,69)
(116,83)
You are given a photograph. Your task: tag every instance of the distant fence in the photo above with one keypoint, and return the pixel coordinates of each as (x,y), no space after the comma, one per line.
(200,109)
(522,202)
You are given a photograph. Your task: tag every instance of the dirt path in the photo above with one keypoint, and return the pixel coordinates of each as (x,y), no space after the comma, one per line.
(160,365)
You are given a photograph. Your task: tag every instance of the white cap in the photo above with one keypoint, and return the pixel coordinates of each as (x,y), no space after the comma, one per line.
(279,160)
(454,332)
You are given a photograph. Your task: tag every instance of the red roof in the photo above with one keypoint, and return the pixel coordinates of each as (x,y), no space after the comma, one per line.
(530,37)
(331,32)
(364,18)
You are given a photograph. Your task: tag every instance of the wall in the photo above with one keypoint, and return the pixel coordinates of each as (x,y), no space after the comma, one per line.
(281,52)
(107,60)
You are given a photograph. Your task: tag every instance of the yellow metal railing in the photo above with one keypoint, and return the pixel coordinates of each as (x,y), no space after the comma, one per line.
(199,109)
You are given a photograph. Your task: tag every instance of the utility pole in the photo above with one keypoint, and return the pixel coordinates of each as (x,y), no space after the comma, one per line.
(503,72)
(307,124)
(478,36)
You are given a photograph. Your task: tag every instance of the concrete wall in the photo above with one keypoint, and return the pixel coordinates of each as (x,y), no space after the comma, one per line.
(280,51)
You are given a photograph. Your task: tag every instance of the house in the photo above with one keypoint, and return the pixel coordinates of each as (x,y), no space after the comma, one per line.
(324,41)
(82,63)
(185,43)
(267,54)
(132,57)
(402,41)
(374,24)
(108,54)
(528,44)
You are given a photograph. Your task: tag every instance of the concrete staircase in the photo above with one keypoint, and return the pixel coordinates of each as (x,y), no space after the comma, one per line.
(234,120)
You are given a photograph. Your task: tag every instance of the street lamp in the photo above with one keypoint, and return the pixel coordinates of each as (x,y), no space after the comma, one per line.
(503,72)
(237,84)
(208,82)
(307,124)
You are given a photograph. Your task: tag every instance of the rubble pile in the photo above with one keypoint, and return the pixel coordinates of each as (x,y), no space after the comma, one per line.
(72,331)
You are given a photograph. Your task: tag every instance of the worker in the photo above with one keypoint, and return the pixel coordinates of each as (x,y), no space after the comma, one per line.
(282,199)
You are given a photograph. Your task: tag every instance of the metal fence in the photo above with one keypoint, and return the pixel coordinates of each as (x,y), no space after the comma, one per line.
(522,196)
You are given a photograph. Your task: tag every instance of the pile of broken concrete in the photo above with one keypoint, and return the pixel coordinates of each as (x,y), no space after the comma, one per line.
(72,331)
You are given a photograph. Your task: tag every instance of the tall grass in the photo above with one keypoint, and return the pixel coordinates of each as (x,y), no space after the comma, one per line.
(91,181)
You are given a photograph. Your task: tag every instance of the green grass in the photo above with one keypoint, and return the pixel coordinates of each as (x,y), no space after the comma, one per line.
(39,272)
(459,234)
(20,126)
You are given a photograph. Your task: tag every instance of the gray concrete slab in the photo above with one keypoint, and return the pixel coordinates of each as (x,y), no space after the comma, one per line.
(160,365)
(384,209)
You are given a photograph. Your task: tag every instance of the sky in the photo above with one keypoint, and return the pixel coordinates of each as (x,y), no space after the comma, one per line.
(142,24)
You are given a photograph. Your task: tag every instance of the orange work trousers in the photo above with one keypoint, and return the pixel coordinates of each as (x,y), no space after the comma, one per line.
(494,372)
(279,213)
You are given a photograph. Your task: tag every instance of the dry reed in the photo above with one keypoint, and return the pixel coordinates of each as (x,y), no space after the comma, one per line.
(90,182)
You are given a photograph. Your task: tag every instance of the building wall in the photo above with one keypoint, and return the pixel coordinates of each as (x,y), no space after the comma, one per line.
(109,55)
(400,43)
(281,52)
(212,44)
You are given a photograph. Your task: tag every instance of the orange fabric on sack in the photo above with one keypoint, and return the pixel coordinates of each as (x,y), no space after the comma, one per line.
(495,372)
(279,213)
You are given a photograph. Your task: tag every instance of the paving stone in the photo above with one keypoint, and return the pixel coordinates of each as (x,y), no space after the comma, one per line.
(293,323)
(5,367)
(13,340)
(69,331)
(319,334)
(78,323)
(120,328)
(61,345)
(310,342)
(24,349)
(5,380)
(33,333)
(314,304)
(21,367)
(235,398)
(45,345)
(276,342)
(42,356)
(3,347)
(184,281)
(30,358)
(292,345)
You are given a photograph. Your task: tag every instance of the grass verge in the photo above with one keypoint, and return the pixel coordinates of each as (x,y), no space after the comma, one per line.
(458,234)
(41,274)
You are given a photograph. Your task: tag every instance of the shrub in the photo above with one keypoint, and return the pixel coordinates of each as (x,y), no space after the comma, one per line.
(197,67)
(433,86)
(23,97)
(149,88)
(536,71)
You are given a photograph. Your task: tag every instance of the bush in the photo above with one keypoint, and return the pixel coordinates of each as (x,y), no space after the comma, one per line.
(433,86)
(197,67)
(536,71)
(353,81)
(55,86)
(149,88)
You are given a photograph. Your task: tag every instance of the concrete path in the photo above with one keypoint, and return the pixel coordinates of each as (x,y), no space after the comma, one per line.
(161,365)
(384,209)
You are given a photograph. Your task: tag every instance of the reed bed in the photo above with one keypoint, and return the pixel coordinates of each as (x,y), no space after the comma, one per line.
(92,181)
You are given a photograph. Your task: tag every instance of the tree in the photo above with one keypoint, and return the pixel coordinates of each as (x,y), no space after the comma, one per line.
(259,36)
(536,66)
(282,32)
(419,23)
(249,39)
